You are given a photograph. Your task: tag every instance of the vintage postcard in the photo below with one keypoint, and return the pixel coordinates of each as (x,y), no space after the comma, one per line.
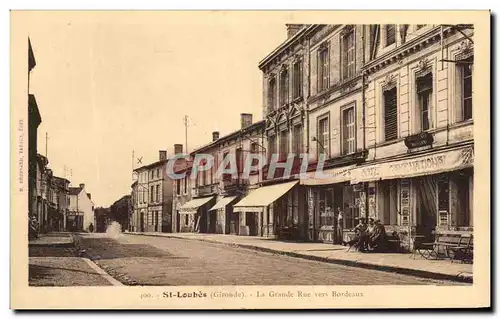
(250,160)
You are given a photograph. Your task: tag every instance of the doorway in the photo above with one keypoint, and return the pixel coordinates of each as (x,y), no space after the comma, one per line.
(426,204)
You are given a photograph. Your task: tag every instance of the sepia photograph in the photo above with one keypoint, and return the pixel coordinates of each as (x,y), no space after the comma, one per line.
(250,159)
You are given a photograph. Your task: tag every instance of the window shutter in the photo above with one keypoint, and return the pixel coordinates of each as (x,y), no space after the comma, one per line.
(391,115)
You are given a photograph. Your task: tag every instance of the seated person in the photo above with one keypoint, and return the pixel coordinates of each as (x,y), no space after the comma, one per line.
(378,238)
(361,236)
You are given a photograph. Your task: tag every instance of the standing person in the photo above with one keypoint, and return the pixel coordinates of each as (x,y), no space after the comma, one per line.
(91,228)
(340,225)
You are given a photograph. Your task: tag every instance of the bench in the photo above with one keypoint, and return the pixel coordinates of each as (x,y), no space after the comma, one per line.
(442,247)
(464,251)
(394,242)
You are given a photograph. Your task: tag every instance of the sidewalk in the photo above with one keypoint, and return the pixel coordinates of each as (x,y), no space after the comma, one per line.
(53,239)
(393,262)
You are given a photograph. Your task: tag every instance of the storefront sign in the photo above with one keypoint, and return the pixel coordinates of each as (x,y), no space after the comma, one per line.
(422,165)
(329,176)
(419,140)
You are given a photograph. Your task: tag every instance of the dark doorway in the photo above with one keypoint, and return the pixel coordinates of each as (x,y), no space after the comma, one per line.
(141,222)
(252,223)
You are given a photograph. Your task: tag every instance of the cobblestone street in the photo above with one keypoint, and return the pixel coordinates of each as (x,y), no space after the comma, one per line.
(142,260)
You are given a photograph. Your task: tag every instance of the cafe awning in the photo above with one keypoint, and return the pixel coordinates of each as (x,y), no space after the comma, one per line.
(262,197)
(223,202)
(329,176)
(192,206)
(426,164)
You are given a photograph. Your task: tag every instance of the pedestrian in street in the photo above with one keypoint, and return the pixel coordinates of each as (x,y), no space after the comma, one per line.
(91,228)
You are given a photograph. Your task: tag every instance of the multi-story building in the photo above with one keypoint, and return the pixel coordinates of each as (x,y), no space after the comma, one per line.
(34,120)
(153,197)
(213,195)
(61,192)
(81,209)
(182,221)
(419,129)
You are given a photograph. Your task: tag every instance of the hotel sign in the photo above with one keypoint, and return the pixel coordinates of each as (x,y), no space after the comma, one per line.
(422,165)
(419,140)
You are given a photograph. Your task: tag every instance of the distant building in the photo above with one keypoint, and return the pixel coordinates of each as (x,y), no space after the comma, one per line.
(34,120)
(182,194)
(81,209)
(152,210)
(102,219)
(61,190)
(214,196)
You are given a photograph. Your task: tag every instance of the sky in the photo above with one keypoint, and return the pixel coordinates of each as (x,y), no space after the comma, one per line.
(109,84)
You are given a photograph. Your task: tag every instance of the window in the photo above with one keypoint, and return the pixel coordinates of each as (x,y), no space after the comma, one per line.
(348,131)
(254,149)
(152,194)
(390,115)
(178,187)
(323,136)
(466,89)
(390,34)
(272,145)
(157,173)
(298,139)
(284,87)
(271,95)
(348,55)
(323,68)
(424,93)
(326,211)
(283,145)
(297,79)
(158,193)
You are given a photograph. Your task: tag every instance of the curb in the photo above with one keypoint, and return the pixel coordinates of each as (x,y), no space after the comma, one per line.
(393,269)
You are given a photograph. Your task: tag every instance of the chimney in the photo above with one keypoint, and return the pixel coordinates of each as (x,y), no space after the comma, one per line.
(177,149)
(89,196)
(215,136)
(246,120)
(82,186)
(291,29)
(163,155)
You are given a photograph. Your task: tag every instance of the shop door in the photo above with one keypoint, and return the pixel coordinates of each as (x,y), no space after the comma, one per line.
(338,203)
(141,222)
(251,223)
(427,205)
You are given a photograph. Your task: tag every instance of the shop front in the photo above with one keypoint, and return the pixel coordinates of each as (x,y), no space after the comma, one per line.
(332,204)
(421,196)
(194,215)
(271,211)
(223,211)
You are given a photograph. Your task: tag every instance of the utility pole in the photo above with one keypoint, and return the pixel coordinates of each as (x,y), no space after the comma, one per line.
(46,143)
(186,124)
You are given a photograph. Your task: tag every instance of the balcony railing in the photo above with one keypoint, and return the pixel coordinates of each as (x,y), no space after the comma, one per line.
(205,190)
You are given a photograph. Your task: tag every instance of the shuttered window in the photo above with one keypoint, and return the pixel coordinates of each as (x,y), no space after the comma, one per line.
(297,139)
(390,34)
(348,55)
(424,92)
(467,88)
(349,131)
(284,87)
(297,79)
(283,145)
(271,95)
(390,115)
(323,69)
(323,137)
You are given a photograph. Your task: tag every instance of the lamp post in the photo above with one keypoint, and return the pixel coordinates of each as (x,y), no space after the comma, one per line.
(314,139)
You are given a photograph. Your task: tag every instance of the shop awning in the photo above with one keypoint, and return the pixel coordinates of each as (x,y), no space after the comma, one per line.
(329,176)
(262,197)
(223,202)
(435,163)
(192,206)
